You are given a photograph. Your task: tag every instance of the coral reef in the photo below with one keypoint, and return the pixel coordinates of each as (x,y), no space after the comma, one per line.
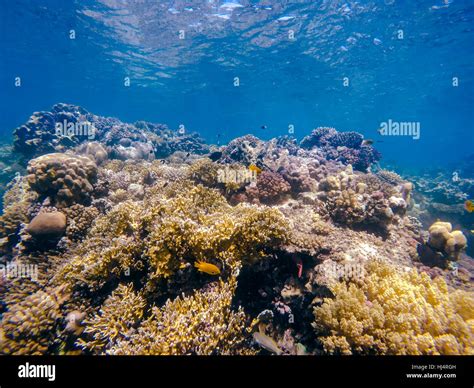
(68,126)
(144,240)
(396,312)
(346,147)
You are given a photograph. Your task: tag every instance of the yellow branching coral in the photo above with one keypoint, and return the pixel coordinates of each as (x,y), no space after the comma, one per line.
(113,247)
(118,316)
(161,233)
(29,327)
(390,312)
(201,324)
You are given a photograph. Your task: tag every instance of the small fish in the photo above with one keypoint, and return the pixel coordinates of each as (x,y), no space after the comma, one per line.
(215,155)
(472,231)
(469,206)
(187,155)
(166,184)
(255,169)
(266,342)
(208,268)
(263,127)
(299,265)
(367,142)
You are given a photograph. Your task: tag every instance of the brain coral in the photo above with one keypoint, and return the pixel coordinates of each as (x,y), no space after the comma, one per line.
(47,225)
(65,179)
(393,312)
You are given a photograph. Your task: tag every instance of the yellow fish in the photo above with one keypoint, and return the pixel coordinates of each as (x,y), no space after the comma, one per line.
(253,167)
(208,268)
(469,206)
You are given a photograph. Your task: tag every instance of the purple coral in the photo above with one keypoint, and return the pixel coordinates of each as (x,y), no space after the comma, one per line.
(270,188)
(346,147)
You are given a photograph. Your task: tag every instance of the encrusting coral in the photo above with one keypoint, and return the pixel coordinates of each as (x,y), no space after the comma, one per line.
(394,312)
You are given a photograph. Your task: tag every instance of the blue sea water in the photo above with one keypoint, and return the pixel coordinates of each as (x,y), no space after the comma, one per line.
(232,67)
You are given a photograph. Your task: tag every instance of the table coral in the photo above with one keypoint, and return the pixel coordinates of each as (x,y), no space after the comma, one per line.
(395,312)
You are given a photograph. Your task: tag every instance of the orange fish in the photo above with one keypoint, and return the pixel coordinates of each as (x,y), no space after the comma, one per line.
(469,206)
(208,268)
(253,167)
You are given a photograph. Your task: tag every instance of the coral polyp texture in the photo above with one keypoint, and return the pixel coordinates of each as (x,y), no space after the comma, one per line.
(65,179)
(396,312)
(143,240)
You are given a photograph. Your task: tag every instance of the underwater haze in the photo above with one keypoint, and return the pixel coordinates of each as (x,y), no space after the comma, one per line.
(400,61)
